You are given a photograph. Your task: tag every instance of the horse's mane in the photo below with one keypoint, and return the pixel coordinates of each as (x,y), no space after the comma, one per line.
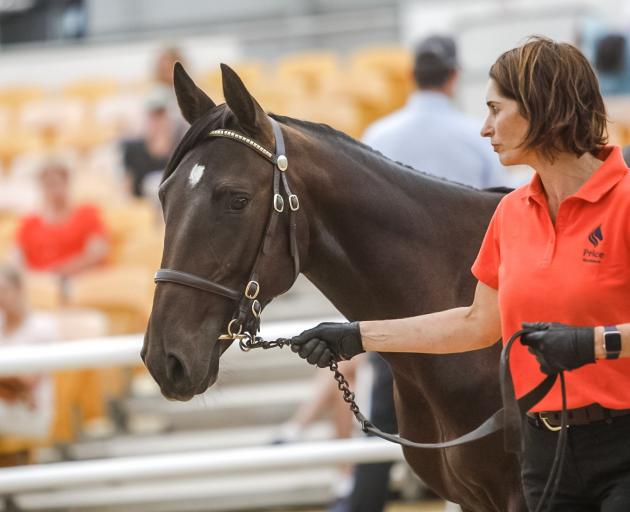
(216,118)
(329,131)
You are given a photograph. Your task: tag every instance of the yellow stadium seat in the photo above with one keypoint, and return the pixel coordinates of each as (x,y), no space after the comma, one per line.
(127,221)
(121,113)
(345,116)
(81,395)
(251,73)
(309,68)
(14,96)
(123,293)
(92,89)
(143,249)
(18,144)
(43,290)
(393,62)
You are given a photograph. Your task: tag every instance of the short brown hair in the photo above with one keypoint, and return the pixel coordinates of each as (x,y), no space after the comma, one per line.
(557,92)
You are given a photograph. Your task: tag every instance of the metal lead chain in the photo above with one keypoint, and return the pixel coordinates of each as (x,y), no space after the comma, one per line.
(248,342)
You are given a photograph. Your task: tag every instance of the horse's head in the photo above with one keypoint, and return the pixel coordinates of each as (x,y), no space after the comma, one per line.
(229,245)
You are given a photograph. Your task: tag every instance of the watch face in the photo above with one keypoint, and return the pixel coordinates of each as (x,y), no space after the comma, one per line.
(612,342)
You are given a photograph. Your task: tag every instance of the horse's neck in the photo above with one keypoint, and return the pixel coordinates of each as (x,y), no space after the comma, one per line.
(386,241)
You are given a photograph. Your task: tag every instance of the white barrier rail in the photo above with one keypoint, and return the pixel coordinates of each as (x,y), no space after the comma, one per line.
(251,459)
(108,351)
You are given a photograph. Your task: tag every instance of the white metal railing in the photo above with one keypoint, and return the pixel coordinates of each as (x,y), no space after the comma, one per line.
(250,459)
(108,351)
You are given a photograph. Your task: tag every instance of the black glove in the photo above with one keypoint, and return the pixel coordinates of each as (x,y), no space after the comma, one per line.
(328,342)
(559,347)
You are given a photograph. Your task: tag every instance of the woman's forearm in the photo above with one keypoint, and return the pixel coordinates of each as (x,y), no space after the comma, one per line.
(450,331)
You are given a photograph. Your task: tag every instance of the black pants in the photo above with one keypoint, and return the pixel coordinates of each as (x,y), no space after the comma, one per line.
(596,472)
(371,481)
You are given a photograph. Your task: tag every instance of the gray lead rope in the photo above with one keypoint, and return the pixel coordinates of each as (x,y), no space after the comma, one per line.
(507,418)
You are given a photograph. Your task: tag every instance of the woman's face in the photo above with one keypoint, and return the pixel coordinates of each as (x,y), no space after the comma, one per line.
(506,127)
(55,186)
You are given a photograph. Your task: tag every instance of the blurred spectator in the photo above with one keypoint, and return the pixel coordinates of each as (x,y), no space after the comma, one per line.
(62,238)
(163,71)
(149,154)
(424,132)
(26,402)
(162,79)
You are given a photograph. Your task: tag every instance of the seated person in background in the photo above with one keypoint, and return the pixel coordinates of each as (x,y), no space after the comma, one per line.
(26,401)
(149,154)
(63,238)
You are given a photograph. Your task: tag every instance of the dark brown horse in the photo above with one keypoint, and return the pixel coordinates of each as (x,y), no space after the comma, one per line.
(380,240)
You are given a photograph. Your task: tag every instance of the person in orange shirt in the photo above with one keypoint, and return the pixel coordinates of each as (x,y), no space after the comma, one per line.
(554,260)
(63,238)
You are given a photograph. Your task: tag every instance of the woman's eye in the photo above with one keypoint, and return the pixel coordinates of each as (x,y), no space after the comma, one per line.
(238,203)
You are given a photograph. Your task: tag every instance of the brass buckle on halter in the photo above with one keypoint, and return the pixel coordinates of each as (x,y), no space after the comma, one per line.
(294,202)
(256,309)
(278,203)
(547,425)
(252,294)
(230,336)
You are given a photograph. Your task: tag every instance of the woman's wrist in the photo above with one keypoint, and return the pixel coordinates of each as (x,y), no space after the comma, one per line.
(598,337)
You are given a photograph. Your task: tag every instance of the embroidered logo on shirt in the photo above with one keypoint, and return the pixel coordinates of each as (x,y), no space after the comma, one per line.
(592,255)
(596,236)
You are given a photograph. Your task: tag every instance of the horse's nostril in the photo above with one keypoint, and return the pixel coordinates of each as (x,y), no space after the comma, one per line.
(175,369)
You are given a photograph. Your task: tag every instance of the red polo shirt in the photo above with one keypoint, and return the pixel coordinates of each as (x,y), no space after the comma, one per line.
(45,245)
(576,272)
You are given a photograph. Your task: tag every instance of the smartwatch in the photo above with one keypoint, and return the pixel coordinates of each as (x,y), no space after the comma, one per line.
(612,342)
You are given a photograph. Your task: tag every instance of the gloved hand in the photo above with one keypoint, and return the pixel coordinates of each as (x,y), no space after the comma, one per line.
(327,342)
(559,347)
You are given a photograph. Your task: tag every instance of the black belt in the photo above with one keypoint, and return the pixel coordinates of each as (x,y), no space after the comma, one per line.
(594,413)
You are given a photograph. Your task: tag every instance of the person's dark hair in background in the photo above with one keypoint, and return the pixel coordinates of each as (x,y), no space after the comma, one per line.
(610,53)
(435,62)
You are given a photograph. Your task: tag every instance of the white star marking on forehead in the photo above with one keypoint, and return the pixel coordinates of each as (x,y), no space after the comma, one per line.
(195,174)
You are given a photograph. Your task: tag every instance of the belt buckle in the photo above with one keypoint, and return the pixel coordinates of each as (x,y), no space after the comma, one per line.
(547,425)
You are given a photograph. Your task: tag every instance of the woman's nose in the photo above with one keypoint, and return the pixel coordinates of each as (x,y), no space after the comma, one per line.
(486,129)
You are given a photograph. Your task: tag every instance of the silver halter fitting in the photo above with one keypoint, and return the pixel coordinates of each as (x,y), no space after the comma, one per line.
(249,306)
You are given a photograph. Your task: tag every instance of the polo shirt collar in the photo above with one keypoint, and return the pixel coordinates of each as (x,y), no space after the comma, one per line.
(612,170)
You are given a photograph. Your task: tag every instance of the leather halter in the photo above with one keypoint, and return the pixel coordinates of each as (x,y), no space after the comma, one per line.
(249,306)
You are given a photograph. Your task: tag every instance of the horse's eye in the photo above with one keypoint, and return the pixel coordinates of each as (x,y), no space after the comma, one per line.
(238,203)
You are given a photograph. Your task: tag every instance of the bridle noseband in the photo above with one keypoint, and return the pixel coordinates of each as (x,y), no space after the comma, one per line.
(249,306)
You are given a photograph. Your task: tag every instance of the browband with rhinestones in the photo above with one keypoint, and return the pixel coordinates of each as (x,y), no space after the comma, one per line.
(241,138)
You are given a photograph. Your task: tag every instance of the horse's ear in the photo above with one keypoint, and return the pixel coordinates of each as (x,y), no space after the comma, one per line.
(249,113)
(192,101)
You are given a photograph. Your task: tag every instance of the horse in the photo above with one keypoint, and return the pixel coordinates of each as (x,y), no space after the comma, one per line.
(379,239)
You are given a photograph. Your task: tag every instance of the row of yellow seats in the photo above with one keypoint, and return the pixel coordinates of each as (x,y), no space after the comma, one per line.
(373,82)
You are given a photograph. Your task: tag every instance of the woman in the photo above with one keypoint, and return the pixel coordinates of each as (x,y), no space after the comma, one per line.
(64,238)
(555,253)
(26,401)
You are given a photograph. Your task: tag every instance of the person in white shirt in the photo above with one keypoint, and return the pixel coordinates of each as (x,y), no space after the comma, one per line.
(26,401)
(429,133)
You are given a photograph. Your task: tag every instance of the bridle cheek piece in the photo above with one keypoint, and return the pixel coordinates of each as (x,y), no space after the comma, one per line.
(249,306)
